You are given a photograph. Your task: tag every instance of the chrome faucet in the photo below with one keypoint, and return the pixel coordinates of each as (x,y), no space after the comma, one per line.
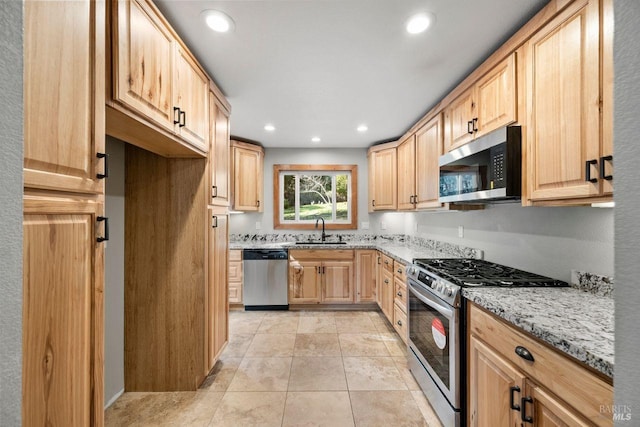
(323,235)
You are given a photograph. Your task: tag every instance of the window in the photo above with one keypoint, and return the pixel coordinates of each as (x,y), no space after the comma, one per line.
(305,192)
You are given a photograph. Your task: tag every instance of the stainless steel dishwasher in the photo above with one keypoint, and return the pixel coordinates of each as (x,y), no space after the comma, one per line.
(265,279)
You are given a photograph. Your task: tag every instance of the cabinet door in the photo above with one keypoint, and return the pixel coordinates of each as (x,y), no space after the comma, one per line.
(492,382)
(457,117)
(385,192)
(246,171)
(548,411)
(563,83)
(371,193)
(217,290)
(62,364)
(379,287)
(496,97)
(219,154)
(386,288)
(428,151)
(192,97)
(64,104)
(304,282)
(407,174)
(337,281)
(143,62)
(366,266)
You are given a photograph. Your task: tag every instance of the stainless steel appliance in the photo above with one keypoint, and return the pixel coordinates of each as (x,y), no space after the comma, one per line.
(488,169)
(436,313)
(265,279)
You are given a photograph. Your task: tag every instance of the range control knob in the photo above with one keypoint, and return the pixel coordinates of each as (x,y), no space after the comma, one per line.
(440,287)
(449,292)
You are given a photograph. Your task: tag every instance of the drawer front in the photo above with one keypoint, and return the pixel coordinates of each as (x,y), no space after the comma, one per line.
(235,271)
(578,386)
(400,294)
(321,254)
(235,255)
(400,322)
(235,293)
(387,262)
(400,271)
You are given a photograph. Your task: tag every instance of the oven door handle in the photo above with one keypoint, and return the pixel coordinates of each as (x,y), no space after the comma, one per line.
(427,299)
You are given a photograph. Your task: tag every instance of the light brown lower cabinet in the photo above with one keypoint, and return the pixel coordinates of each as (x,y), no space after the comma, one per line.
(366,282)
(505,389)
(235,276)
(321,276)
(386,289)
(63,321)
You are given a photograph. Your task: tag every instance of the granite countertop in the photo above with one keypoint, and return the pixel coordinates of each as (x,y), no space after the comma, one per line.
(578,323)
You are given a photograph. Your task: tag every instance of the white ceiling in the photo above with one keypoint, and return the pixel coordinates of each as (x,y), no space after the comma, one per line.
(323,67)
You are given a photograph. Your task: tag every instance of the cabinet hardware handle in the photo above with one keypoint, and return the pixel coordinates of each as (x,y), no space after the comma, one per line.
(104,156)
(257,203)
(317,270)
(386,281)
(104,238)
(399,294)
(469,127)
(379,261)
(475,122)
(512,390)
(603,174)
(523,415)
(399,271)
(399,322)
(412,200)
(415,199)
(215,221)
(373,203)
(587,170)
(183,121)
(176,117)
(214,194)
(524,353)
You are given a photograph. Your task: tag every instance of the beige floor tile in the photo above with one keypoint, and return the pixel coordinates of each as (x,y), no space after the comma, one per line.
(362,345)
(426,409)
(163,409)
(317,345)
(355,325)
(330,409)
(244,325)
(262,374)
(382,325)
(237,346)
(279,325)
(394,344)
(316,313)
(317,325)
(405,373)
(351,314)
(372,373)
(221,375)
(385,408)
(250,409)
(271,345)
(281,313)
(317,374)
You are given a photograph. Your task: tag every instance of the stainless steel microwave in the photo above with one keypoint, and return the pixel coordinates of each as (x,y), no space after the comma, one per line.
(486,170)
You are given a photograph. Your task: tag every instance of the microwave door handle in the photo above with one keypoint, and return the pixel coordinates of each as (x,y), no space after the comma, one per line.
(444,310)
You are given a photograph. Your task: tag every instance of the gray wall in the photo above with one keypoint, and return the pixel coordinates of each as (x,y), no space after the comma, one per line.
(246,223)
(114,274)
(11,14)
(627,228)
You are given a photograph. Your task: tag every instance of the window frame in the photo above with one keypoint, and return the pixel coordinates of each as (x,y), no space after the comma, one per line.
(353,196)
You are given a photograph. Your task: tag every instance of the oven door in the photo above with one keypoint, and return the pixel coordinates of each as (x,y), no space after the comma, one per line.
(434,338)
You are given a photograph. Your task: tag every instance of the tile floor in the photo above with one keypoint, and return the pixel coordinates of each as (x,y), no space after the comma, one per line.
(296,368)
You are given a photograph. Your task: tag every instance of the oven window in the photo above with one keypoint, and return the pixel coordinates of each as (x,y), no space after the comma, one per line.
(429,332)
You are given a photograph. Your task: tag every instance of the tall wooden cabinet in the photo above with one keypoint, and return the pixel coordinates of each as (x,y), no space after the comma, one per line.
(63,227)
(247,176)
(217,290)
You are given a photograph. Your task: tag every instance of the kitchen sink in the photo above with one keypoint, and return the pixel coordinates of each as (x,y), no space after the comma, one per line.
(321,243)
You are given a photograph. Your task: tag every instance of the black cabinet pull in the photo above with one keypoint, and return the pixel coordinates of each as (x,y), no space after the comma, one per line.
(512,390)
(104,156)
(603,174)
(373,203)
(415,199)
(214,192)
(524,353)
(176,117)
(587,171)
(523,415)
(399,294)
(399,322)
(215,221)
(104,238)
(474,123)
(183,118)
(257,203)
(386,281)
(470,127)
(379,261)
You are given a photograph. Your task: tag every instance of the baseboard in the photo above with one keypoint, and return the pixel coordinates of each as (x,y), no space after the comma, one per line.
(114,398)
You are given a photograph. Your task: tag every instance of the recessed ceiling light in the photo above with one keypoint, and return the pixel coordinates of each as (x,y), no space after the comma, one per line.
(420,22)
(315,139)
(218,21)
(269,127)
(362,128)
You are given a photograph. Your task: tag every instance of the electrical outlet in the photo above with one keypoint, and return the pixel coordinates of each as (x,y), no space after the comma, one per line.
(460,231)
(258,225)
(364,225)
(383,226)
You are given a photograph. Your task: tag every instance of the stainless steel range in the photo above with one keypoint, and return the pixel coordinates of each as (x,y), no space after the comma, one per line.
(436,324)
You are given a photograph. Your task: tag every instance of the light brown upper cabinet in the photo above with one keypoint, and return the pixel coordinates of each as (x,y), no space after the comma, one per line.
(247,176)
(566,157)
(383,178)
(155,77)
(219,153)
(406,155)
(486,106)
(64,120)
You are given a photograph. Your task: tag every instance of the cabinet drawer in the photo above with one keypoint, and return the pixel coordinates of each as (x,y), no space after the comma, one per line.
(235,255)
(400,322)
(329,254)
(574,383)
(235,293)
(235,271)
(387,262)
(400,294)
(400,271)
